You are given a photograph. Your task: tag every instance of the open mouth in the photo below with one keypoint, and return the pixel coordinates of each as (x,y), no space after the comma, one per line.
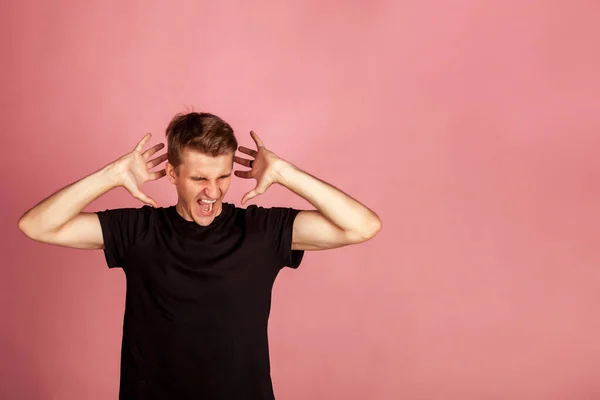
(206,206)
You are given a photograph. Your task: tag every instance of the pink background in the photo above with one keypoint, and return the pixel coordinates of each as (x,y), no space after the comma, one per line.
(472,129)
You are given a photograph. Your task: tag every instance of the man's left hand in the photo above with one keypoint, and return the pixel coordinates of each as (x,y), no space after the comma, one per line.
(264,167)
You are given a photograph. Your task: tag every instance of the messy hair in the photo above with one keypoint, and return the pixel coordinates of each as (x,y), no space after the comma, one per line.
(204,132)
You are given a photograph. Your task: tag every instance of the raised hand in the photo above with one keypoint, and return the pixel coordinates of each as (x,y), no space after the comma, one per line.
(134,169)
(264,167)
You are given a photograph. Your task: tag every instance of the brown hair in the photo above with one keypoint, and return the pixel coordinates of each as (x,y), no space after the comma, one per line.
(204,132)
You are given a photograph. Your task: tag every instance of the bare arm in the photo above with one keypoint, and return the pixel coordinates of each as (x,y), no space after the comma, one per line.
(338,220)
(59,220)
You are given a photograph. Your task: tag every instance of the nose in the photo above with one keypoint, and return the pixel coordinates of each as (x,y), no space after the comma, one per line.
(213,191)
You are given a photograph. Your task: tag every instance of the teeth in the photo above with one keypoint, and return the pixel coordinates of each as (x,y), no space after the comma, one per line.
(209,202)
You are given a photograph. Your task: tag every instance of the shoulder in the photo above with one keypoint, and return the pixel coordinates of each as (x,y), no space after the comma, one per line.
(275,227)
(123,228)
(266,218)
(256,211)
(144,211)
(130,215)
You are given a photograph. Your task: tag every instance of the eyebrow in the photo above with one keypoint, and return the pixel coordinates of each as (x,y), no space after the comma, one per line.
(197,177)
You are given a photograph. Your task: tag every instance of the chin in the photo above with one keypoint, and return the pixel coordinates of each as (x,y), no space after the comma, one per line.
(203,221)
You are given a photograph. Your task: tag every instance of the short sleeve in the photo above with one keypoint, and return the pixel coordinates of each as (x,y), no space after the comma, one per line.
(120,229)
(277,226)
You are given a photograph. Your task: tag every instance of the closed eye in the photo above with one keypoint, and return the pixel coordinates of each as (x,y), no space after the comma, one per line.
(201,178)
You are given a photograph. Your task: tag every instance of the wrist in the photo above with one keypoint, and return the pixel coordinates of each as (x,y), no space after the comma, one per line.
(282,172)
(112,174)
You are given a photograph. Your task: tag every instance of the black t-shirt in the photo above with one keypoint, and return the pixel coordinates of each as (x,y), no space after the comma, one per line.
(198,299)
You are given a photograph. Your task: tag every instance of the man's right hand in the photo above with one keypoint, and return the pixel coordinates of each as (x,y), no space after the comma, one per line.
(59,219)
(133,169)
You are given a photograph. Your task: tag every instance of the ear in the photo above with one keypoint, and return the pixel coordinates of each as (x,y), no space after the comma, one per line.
(171,172)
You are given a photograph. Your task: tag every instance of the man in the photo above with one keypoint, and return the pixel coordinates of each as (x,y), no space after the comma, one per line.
(199,274)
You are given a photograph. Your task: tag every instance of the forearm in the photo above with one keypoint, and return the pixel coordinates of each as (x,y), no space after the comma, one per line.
(345,212)
(55,211)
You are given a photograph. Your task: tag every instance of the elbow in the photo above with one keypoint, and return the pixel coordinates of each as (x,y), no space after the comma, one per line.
(373,229)
(27,228)
(24,227)
(368,231)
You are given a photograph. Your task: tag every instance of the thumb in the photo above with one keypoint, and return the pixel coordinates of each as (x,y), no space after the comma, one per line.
(148,200)
(250,195)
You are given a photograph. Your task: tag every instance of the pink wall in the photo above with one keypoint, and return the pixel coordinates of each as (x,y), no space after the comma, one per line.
(472,129)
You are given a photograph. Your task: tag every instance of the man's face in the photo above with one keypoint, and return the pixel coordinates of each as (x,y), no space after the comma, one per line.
(201,181)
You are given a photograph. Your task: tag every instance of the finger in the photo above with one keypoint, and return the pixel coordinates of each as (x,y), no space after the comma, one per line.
(248,151)
(250,195)
(142,142)
(157,175)
(242,161)
(243,174)
(148,153)
(155,161)
(141,196)
(257,140)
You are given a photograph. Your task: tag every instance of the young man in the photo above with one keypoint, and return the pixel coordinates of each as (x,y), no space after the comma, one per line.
(199,274)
